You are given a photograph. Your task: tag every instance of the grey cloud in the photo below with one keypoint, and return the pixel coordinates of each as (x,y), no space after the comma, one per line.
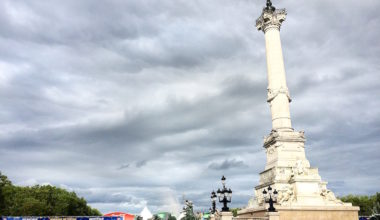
(130,39)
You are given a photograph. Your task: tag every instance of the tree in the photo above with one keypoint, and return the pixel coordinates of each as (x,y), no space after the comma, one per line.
(171,217)
(369,205)
(4,184)
(41,201)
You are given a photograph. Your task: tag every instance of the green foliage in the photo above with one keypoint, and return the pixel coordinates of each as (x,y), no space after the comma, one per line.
(171,217)
(41,201)
(235,211)
(155,217)
(368,204)
(3,183)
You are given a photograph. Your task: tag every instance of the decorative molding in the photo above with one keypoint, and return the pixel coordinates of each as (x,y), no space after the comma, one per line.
(271,19)
(284,136)
(273,93)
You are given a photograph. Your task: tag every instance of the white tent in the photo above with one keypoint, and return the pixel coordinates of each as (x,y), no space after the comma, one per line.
(146,214)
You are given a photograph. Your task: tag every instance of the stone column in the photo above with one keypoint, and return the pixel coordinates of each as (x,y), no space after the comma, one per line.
(278,95)
(301,192)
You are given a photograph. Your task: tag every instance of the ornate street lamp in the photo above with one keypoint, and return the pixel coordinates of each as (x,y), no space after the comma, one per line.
(271,199)
(213,199)
(224,195)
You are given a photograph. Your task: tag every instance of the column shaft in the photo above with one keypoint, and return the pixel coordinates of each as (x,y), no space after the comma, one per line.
(278,95)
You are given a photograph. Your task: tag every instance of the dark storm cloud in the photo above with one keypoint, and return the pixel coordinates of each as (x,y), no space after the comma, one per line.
(123,166)
(141,163)
(148,102)
(227,164)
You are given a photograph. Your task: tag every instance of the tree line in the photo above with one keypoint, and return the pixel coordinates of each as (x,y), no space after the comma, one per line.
(41,201)
(369,205)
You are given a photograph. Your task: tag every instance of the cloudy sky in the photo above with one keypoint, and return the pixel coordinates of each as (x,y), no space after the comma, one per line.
(144,102)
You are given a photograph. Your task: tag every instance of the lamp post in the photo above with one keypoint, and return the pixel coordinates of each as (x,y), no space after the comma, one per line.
(271,199)
(213,200)
(224,195)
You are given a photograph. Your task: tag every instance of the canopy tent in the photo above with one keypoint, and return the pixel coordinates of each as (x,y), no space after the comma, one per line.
(146,214)
(124,215)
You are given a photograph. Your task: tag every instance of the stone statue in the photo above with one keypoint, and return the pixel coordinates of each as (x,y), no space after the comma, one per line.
(187,212)
(329,196)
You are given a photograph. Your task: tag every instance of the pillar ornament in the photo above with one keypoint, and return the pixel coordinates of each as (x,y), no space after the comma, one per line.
(271,19)
(273,93)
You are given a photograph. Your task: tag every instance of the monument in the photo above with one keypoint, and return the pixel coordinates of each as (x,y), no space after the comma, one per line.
(301,192)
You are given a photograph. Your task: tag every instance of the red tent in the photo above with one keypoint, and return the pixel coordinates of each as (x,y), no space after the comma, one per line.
(124,215)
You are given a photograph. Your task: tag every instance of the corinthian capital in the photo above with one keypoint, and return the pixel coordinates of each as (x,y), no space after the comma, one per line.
(270,19)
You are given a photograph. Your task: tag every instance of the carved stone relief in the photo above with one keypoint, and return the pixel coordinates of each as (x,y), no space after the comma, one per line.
(300,169)
(267,176)
(286,196)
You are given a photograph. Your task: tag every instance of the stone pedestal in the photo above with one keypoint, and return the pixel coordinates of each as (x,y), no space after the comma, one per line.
(289,172)
(224,216)
(273,215)
(301,192)
(303,213)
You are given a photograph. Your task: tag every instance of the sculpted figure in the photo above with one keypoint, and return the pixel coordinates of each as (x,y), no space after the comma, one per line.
(299,169)
(253,203)
(286,195)
(260,199)
(329,196)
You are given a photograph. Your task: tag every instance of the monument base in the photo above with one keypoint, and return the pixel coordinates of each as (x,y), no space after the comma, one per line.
(305,212)
(224,216)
